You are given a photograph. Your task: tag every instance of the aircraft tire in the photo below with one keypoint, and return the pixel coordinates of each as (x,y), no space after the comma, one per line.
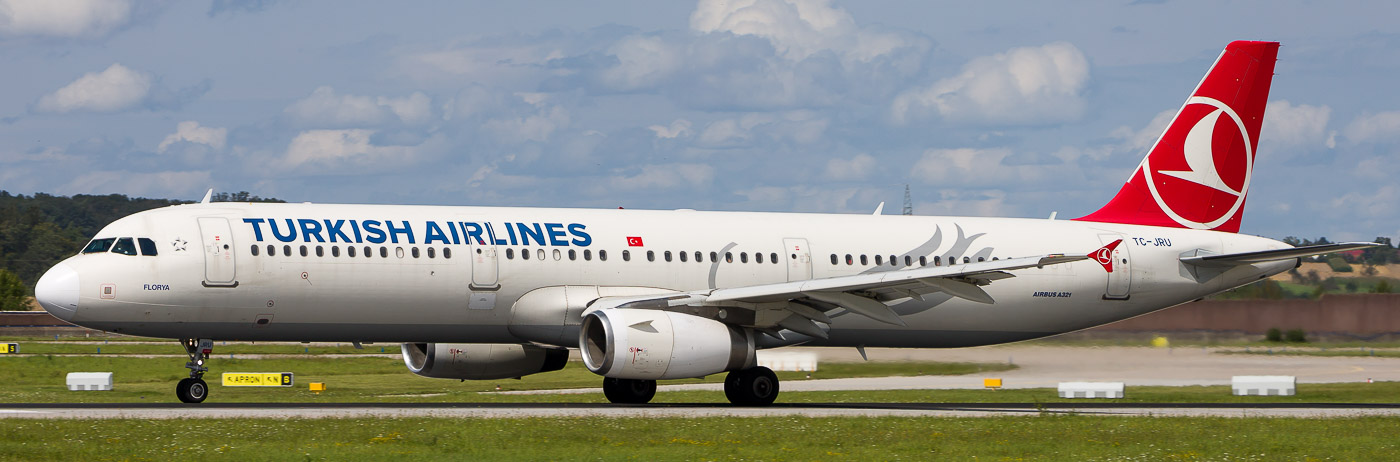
(629,391)
(192,390)
(751,387)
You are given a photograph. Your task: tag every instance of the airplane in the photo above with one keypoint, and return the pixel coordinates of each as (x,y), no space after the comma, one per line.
(647,295)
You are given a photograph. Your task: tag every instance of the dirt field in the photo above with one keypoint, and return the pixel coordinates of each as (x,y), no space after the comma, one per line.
(1323,272)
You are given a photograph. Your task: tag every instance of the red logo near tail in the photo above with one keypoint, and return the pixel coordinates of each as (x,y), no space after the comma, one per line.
(1105,255)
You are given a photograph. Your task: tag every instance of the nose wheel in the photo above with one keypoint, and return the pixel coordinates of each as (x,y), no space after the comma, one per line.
(193,389)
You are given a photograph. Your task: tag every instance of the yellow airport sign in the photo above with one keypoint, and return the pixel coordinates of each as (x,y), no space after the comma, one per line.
(991,383)
(9,348)
(257,379)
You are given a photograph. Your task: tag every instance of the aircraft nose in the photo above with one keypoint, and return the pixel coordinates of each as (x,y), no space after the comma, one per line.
(57,291)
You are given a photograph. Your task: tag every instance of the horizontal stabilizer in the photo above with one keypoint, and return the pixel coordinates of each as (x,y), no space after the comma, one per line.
(1245,258)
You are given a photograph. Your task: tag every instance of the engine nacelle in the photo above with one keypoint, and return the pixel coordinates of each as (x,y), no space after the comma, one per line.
(552,315)
(481,361)
(627,343)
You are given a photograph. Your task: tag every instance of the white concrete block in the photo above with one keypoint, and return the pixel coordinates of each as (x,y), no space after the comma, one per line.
(788,361)
(1091,389)
(81,381)
(1264,385)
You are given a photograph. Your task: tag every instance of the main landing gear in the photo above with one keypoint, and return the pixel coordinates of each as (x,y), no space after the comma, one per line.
(749,387)
(193,389)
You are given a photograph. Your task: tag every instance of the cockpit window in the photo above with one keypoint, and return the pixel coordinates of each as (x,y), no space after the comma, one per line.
(99,245)
(124,246)
(148,247)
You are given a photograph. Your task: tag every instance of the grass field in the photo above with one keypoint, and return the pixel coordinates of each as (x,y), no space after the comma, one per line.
(1077,438)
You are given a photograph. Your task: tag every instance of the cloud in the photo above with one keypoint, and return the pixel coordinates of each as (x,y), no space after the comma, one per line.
(63,18)
(1296,128)
(325,108)
(798,29)
(1029,85)
(1379,127)
(114,89)
(219,7)
(190,132)
(678,128)
(660,177)
(141,184)
(336,146)
(535,127)
(117,88)
(855,168)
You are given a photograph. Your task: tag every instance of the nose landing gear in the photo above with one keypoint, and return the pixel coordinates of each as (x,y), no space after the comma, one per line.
(193,389)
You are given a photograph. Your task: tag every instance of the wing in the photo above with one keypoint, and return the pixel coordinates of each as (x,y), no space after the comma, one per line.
(797,305)
(1245,258)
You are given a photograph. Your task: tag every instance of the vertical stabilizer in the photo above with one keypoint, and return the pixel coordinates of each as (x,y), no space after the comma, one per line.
(1197,174)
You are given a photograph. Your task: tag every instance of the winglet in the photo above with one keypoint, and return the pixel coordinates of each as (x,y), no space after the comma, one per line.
(207,196)
(879,208)
(1105,255)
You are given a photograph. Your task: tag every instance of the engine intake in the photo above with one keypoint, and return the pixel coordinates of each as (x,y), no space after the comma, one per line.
(644,344)
(481,361)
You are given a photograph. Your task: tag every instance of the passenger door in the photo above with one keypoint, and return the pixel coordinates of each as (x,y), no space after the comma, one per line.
(217,237)
(799,259)
(1120,281)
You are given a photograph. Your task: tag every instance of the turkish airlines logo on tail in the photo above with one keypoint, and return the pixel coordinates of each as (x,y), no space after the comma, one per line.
(1105,255)
(1203,184)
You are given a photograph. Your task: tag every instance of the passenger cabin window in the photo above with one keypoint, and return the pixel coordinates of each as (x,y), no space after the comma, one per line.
(757,257)
(383,252)
(699,257)
(863,260)
(714,257)
(271,250)
(908,260)
(99,245)
(967,260)
(587,255)
(255,250)
(667,255)
(335,251)
(432,253)
(849,261)
(557,255)
(524,254)
(350,251)
(539,254)
(148,247)
(937,261)
(124,246)
(743,257)
(651,256)
(924,262)
(447,253)
(287,250)
(773,257)
(729,257)
(879,259)
(894,261)
(833,259)
(683,257)
(320,252)
(602,255)
(626,255)
(573,255)
(303,251)
(415,252)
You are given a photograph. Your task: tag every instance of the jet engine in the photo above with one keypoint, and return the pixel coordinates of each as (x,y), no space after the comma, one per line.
(480,361)
(626,343)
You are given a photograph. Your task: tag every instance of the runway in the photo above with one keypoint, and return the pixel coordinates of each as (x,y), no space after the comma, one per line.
(526,410)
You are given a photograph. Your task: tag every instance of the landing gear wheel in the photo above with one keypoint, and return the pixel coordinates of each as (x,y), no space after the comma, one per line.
(192,390)
(629,391)
(751,387)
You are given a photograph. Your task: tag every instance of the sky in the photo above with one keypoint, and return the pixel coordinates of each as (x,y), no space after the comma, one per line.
(994,108)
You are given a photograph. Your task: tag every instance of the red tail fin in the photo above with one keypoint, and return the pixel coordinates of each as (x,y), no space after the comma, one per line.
(1197,174)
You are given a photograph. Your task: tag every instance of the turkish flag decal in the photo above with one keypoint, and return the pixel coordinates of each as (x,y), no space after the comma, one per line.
(634,241)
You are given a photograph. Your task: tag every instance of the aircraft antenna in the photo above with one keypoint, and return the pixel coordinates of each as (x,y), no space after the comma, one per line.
(908,203)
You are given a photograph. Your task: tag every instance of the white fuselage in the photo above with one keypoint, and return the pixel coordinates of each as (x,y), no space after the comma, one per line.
(206,280)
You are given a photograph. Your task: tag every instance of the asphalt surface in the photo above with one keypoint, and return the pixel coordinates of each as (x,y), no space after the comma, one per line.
(521,410)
